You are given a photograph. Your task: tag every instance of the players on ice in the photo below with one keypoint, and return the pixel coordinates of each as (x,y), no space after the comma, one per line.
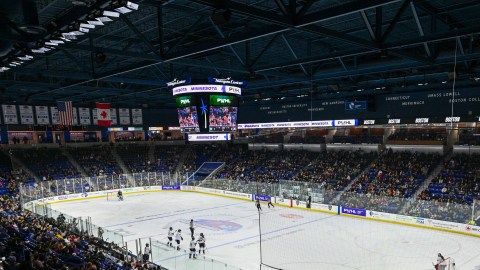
(178,238)
(192,229)
(270,203)
(257,203)
(170,235)
(193,243)
(201,243)
(120,195)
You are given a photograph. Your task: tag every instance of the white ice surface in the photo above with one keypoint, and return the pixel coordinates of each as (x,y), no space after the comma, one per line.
(292,238)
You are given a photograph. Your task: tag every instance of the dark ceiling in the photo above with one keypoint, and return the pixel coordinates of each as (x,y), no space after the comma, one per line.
(284,49)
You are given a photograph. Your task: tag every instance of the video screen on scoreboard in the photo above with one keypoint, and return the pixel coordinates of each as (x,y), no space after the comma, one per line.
(187,114)
(223,113)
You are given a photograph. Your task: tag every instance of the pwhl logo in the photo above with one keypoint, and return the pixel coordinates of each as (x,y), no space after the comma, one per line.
(219,225)
(223,100)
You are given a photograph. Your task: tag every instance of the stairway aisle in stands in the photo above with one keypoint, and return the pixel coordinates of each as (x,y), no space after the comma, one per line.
(74,162)
(19,166)
(427,182)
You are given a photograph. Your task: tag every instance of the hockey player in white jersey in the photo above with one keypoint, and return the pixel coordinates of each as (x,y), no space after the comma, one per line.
(192,248)
(170,235)
(201,243)
(178,238)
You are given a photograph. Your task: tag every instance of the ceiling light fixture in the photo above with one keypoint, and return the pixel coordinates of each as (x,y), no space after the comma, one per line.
(111,14)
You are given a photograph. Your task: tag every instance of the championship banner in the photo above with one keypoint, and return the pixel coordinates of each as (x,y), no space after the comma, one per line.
(10,114)
(75,116)
(42,115)
(137,118)
(55,117)
(84,114)
(113,116)
(26,115)
(95,116)
(124,115)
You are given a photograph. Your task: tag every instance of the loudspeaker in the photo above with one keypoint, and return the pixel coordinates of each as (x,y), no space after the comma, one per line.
(221,17)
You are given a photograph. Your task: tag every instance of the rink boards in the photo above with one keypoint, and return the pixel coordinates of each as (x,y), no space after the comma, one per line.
(420,222)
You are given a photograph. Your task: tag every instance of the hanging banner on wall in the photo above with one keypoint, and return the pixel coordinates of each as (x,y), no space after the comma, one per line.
(55,117)
(75,116)
(124,115)
(84,114)
(10,114)
(137,118)
(95,116)
(113,116)
(26,115)
(42,115)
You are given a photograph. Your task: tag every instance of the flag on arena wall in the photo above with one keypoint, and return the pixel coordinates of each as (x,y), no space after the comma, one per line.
(10,114)
(137,118)
(65,112)
(84,114)
(104,114)
(42,115)
(124,115)
(26,115)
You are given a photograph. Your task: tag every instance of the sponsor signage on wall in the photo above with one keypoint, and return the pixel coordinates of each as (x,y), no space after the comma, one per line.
(421,120)
(354,211)
(209,137)
(394,121)
(206,88)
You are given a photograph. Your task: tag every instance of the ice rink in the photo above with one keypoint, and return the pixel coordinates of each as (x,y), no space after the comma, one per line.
(291,238)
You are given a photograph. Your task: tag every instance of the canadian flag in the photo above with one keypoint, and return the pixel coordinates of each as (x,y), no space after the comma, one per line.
(103,114)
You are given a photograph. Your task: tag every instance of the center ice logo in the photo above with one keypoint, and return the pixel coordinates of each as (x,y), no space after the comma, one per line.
(219,225)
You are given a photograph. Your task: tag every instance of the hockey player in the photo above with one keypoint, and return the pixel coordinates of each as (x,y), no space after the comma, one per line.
(259,207)
(201,243)
(170,237)
(440,259)
(192,248)
(146,253)
(178,238)
(120,195)
(192,229)
(270,203)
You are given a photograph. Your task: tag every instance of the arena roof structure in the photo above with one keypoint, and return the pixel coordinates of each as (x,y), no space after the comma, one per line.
(116,51)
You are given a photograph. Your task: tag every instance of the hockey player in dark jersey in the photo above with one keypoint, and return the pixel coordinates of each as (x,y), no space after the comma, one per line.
(120,195)
(259,207)
(270,203)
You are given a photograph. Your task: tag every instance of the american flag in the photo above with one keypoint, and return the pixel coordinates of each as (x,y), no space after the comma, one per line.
(65,112)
